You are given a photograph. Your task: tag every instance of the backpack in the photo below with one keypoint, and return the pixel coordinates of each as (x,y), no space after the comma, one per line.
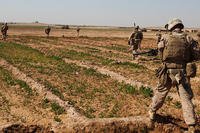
(138,35)
(177,50)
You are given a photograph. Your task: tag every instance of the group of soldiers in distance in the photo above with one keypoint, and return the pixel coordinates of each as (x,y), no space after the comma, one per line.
(178,53)
(47,30)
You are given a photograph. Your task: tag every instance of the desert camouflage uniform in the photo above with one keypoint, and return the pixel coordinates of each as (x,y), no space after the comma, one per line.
(48,30)
(175,75)
(135,40)
(140,41)
(4,30)
(78,30)
(159,36)
(198,35)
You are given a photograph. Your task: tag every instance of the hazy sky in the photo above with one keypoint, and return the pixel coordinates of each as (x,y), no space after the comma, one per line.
(101,12)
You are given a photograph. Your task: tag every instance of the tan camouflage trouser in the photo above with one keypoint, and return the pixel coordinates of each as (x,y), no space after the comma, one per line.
(139,45)
(135,49)
(4,35)
(176,77)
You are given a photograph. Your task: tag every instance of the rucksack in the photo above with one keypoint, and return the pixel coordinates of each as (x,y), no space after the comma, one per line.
(177,49)
(138,35)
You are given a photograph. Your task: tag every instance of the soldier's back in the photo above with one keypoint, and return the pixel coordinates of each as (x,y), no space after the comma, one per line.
(177,48)
(137,35)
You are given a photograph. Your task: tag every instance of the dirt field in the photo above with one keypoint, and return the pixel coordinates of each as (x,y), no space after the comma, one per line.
(90,83)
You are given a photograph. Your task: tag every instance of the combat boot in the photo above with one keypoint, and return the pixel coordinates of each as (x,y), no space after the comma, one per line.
(191,129)
(152,115)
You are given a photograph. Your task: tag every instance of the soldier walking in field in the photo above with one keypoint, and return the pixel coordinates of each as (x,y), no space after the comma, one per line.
(177,51)
(48,30)
(78,31)
(134,24)
(198,35)
(135,41)
(159,36)
(4,30)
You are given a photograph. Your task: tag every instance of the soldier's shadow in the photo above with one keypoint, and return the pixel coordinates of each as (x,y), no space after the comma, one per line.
(160,119)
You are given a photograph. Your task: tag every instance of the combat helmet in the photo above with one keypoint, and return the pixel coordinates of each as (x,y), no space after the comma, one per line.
(137,27)
(173,24)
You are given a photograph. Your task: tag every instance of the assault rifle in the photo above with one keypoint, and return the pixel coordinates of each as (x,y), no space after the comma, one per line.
(151,52)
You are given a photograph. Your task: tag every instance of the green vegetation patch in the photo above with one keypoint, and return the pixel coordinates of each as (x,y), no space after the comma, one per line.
(89,112)
(129,64)
(79,85)
(127,88)
(10,80)
(45,103)
(116,47)
(114,110)
(93,72)
(27,57)
(57,119)
(57,109)
(53,89)
(75,55)
(177,105)
(146,91)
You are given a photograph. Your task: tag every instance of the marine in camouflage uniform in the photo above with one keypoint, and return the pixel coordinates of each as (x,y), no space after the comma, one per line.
(141,38)
(4,30)
(78,31)
(177,51)
(135,41)
(48,30)
(159,36)
(198,35)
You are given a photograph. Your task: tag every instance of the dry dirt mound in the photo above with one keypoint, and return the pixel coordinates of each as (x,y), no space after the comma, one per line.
(17,128)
